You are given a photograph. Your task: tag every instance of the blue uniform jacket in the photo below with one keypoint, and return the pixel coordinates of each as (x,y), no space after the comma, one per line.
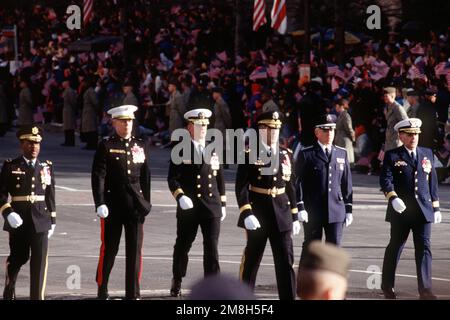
(416,185)
(324,188)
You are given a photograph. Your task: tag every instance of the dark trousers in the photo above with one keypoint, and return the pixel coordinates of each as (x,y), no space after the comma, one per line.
(283,255)
(21,241)
(91,139)
(187,226)
(399,235)
(111,232)
(69,137)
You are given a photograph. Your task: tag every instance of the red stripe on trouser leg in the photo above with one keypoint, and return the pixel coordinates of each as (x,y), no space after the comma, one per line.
(140,252)
(102,254)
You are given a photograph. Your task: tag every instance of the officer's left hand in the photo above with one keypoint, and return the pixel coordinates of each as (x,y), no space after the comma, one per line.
(437,217)
(296,227)
(348,219)
(51,231)
(224,213)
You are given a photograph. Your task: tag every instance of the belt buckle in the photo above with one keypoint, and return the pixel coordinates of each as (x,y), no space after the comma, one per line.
(274,192)
(32,198)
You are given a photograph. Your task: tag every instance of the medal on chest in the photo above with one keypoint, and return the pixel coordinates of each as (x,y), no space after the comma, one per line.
(138,154)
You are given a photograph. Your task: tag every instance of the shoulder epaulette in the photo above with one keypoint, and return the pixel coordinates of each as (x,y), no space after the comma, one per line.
(106,138)
(340,148)
(306,148)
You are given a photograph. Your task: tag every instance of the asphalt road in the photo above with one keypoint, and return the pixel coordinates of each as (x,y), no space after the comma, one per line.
(74,248)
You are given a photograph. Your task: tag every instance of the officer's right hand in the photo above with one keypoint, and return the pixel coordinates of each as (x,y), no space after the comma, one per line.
(251,223)
(398,205)
(14,220)
(303,216)
(185,203)
(102,211)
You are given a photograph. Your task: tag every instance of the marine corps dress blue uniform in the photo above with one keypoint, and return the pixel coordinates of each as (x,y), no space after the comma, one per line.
(271,199)
(203,183)
(32,190)
(414,181)
(121,181)
(324,188)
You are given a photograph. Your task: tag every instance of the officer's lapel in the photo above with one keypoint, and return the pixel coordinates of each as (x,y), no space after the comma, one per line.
(333,154)
(196,157)
(320,154)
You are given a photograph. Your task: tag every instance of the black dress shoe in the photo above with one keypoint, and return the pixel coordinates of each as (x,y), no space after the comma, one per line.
(175,289)
(389,293)
(9,293)
(427,295)
(102,294)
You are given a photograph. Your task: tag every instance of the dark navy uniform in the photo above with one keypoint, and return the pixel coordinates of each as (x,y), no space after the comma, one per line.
(271,199)
(204,184)
(121,181)
(324,188)
(415,182)
(32,191)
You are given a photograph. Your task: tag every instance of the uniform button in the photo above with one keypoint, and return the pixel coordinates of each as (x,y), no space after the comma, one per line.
(274,178)
(18,178)
(33,178)
(128,161)
(129,171)
(415,173)
(275,170)
(209,176)
(417,180)
(128,152)
(210,185)
(210,194)
(198,177)
(329,189)
(18,186)
(198,186)
(198,195)
(417,188)
(330,167)
(259,177)
(126,144)
(417,196)
(32,193)
(330,174)
(32,185)
(117,158)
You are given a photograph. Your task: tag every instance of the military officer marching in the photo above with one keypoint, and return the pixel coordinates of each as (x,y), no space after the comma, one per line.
(30,217)
(324,186)
(265,194)
(121,191)
(409,182)
(198,186)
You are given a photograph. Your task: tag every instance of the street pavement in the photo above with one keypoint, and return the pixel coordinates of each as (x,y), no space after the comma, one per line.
(74,248)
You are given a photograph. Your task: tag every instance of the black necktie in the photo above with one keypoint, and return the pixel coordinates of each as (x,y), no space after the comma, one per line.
(413,157)
(327,153)
(31,165)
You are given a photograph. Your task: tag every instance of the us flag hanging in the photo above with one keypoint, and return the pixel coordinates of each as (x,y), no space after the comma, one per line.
(87,11)
(278,16)
(259,14)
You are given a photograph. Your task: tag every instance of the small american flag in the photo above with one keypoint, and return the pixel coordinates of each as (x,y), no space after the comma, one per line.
(258,73)
(331,68)
(87,11)
(259,14)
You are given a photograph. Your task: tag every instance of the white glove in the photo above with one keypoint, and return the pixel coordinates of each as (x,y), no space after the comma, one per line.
(296,226)
(14,220)
(348,219)
(102,211)
(303,217)
(437,217)
(51,231)
(251,223)
(224,213)
(398,205)
(185,203)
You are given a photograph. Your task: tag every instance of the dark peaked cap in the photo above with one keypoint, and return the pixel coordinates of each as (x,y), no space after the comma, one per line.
(325,256)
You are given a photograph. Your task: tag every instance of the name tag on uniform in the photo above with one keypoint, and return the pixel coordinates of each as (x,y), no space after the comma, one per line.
(18,172)
(215,164)
(400,163)
(340,160)
(116,151)
(341,166)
